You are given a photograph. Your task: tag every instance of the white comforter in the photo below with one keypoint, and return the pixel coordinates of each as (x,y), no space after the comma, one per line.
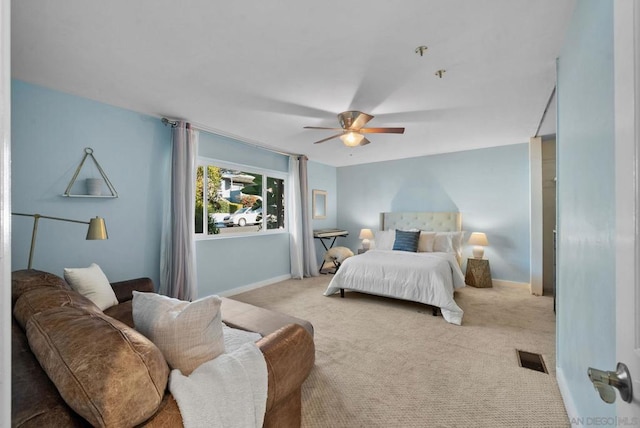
(428,278)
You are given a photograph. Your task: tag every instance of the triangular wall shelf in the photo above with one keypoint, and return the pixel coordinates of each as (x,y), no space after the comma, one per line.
(88,152)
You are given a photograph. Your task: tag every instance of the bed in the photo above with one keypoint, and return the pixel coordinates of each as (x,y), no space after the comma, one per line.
(429,275)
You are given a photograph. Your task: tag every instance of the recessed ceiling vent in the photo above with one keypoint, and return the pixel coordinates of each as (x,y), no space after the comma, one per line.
(532,361)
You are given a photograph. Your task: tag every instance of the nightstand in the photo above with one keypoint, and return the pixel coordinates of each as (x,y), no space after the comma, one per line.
(478,273)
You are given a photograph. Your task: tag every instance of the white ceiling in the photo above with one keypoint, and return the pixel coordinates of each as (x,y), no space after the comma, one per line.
(261,70)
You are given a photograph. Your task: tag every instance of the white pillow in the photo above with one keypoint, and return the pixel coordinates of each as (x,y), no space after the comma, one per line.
(187,333)
(426,241)
(385,239)
(92,283)
(448,242)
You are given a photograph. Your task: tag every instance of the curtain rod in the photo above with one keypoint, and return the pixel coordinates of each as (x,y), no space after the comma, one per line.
(174,123)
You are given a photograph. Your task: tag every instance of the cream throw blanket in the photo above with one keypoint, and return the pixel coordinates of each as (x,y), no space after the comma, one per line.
(228,391)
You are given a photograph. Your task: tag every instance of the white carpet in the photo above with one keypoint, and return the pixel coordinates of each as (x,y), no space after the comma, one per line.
(386,363)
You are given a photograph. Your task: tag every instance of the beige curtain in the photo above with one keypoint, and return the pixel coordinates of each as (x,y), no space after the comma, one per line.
(177,262)
(303,250)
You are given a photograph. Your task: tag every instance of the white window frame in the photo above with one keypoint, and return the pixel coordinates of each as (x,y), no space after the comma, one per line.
(205,161)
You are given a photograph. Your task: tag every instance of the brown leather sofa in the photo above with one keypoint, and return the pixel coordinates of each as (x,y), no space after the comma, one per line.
(60,324)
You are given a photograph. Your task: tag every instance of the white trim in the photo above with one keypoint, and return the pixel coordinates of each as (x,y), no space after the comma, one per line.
(626,53)
(5,213)
(535,231)
(204,162)
(514,284)
(565,392)
(234,235)
(254,286)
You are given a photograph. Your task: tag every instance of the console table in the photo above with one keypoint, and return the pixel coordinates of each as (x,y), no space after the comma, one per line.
(327,234)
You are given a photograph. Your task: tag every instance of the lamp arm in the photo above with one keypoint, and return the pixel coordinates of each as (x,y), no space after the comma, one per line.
(37,217)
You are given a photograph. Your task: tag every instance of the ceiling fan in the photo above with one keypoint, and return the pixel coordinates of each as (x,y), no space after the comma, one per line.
(351,133)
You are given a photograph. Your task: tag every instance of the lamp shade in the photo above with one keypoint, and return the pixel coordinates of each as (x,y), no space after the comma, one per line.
(366,234)
(478,238)
(479,241)
(97,229)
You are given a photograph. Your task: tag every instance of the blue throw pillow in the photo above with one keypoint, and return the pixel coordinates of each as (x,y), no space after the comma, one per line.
(406,241)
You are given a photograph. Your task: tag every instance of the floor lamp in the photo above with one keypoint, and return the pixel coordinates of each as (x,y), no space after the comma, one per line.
(97,229)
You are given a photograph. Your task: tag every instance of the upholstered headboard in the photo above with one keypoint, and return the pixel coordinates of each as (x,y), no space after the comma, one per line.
(435,221)
(430,221)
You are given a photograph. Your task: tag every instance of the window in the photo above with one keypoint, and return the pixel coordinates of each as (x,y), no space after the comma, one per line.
(233,200)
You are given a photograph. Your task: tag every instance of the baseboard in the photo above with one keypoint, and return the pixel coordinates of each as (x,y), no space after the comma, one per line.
(253,286)
(505,283)
(569,405)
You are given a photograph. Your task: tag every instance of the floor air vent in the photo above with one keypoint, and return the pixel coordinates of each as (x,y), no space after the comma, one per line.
(532,361)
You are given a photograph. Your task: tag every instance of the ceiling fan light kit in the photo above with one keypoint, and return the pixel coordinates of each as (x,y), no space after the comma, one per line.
(352,139)
(352,127)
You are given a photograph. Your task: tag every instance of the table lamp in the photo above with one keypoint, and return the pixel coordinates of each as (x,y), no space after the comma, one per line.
(97,229)
(479,241)
(366,235)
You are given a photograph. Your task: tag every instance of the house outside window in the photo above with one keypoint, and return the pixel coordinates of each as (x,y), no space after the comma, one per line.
(234,200)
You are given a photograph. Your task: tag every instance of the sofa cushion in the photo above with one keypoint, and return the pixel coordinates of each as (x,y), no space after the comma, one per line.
(25,280)
(248,317)
(187,333)
(108,373)
(43,298)
(121,312)
(92,283)
(35,401)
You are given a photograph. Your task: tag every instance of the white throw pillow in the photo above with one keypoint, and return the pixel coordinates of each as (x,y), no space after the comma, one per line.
(92,283)
(448,242)
(385,239)
(426,241)
(187,333)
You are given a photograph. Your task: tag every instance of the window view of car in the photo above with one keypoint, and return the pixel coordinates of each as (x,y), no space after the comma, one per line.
(243,217)
(231,201)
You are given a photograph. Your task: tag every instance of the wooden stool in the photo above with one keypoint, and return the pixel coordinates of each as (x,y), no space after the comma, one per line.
(478,273)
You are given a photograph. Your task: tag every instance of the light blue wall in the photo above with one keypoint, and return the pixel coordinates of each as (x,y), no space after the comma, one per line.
(51,130)
(323,177)
(49,133)
(490,187)
(227,149)
(586,215)
(227,263)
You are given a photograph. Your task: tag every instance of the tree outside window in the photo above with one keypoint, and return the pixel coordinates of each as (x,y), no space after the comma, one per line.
(237,201)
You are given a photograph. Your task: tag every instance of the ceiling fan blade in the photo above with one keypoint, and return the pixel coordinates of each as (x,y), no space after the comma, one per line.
(361,120)
(320,127)
(328,138)
(382,131)
(353,120)
(352,123)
